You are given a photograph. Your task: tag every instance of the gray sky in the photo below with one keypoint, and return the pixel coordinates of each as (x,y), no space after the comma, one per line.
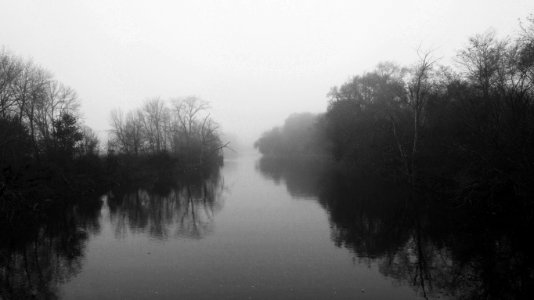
(254,61)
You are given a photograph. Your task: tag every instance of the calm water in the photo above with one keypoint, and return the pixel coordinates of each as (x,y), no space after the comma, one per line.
(257,230)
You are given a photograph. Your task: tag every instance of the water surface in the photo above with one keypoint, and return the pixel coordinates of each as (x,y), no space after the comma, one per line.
(253,240)
(259,229)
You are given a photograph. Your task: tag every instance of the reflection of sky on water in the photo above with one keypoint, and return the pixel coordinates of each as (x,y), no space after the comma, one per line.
(351,234)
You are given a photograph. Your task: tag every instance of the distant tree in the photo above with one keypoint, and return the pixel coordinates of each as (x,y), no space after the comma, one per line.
(482,59)
(66,135)
(301,135)
(127,132)
(194,133)
(270,143)
(187,112)
(89,144)
(185,129)
(155,119)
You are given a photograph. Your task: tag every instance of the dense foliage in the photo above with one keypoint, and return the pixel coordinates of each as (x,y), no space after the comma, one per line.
(470,129)
(301,135)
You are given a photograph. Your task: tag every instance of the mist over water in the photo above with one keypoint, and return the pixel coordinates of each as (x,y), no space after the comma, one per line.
(266,149)
(263,229)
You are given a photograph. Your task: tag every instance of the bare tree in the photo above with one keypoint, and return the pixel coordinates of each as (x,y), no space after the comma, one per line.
(52,100)
(127,131)
(482,59)
(186,129)
(187,113)
(154,118)
(10,70)
(419,86)
(89,143)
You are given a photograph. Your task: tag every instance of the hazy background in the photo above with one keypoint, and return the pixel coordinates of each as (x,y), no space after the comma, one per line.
(254,61)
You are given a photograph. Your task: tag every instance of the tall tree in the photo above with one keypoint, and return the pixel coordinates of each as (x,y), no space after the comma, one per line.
(419,87)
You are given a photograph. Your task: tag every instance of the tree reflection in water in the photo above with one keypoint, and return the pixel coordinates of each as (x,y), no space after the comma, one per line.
(418,239)
(41,251)
(44,252)
(174,208)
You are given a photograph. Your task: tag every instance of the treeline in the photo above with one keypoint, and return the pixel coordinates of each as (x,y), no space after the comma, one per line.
(183,129)
(301,135)
(48,156)
(470,127)
(39,115)
(46,153)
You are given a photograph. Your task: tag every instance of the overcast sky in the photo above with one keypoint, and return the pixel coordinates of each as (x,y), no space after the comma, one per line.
(254,61)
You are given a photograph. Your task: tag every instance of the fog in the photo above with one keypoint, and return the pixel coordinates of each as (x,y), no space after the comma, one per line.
(388,149)
(255,62)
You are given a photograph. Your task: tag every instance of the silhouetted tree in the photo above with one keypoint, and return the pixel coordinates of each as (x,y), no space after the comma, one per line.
(89,144)
(469,129)
(419,87)
(65,136)
(186,130)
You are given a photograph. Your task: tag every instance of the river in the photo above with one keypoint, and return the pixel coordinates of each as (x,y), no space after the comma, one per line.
(256,230)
